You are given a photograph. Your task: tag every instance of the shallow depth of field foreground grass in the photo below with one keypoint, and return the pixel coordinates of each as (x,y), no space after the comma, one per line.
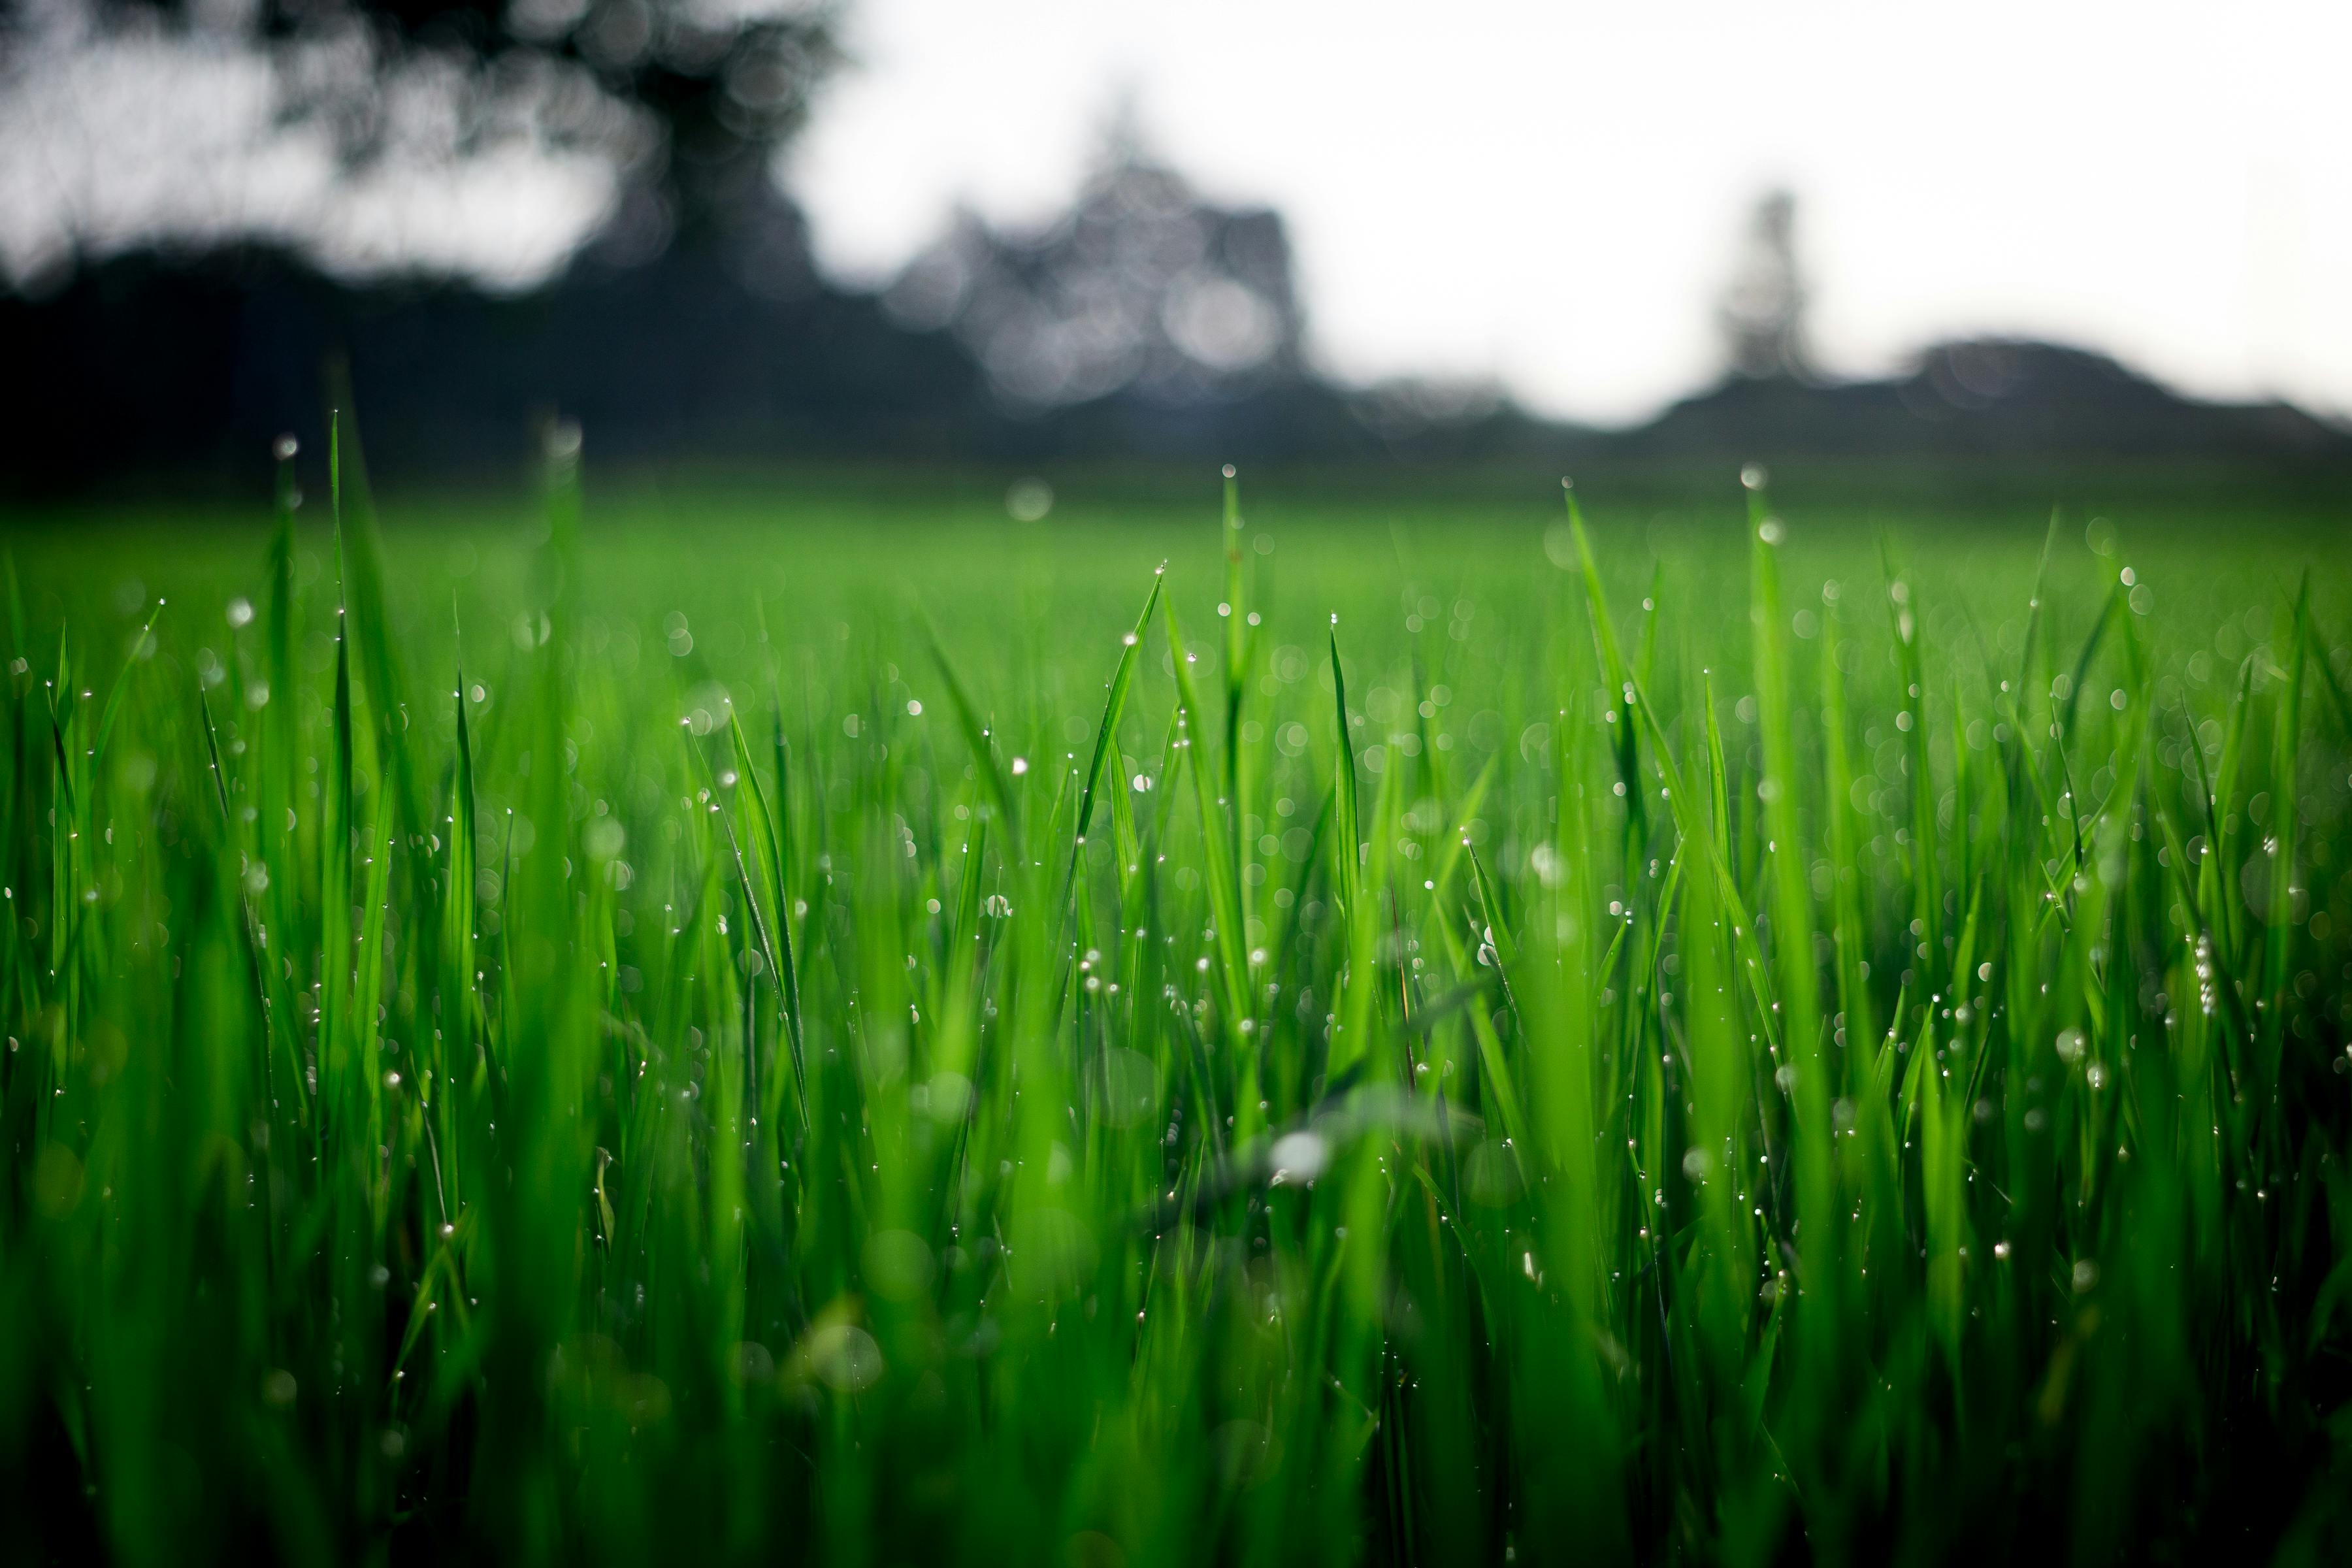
(1724,1043)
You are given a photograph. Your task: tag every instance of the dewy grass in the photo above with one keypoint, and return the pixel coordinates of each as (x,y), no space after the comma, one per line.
(1822,1065)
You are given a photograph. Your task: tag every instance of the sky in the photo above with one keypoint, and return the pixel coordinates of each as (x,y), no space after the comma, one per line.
(1550,193)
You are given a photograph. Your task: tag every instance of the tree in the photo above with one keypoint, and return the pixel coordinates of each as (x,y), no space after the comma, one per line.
(1142,285)
(678,106)
(1761,314)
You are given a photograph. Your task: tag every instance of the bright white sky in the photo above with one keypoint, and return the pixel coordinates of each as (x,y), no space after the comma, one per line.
(1550,191)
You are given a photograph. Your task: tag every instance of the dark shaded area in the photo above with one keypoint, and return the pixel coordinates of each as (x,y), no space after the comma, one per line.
(150,368)
(153,366)
(144,365)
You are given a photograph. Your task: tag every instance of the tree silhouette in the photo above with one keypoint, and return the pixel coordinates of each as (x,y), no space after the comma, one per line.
(1761,313)
(1142,284)
(687,102)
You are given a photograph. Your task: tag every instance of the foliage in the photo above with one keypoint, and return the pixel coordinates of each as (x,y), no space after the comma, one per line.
(1588,1072)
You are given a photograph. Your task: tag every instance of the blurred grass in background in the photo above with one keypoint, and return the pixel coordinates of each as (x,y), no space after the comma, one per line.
(831,1022)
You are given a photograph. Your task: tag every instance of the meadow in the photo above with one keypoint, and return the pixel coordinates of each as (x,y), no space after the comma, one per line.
(743,1025)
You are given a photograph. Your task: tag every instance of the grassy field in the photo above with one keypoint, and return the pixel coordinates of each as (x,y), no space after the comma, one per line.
(753,1023)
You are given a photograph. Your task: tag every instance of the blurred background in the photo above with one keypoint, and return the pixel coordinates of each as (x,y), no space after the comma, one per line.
(1045,236)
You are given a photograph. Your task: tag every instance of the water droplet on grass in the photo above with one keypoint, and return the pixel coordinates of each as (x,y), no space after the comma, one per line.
(1300,1157)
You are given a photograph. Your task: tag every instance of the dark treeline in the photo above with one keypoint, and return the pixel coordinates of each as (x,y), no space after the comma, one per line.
(147,368)
(1145,325)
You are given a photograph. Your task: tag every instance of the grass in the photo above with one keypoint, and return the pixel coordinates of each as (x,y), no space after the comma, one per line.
(658,1033)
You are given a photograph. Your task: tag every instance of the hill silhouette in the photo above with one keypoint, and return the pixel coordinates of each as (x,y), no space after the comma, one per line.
(1991,398)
